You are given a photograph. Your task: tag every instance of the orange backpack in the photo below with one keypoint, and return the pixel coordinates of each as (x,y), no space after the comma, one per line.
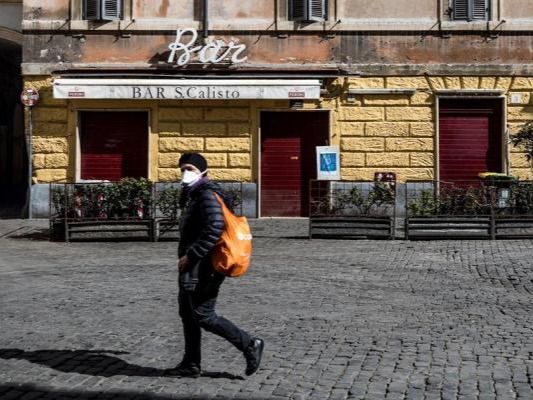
(232,254)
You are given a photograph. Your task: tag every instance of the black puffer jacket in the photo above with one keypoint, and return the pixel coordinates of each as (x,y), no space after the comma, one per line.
(201,224)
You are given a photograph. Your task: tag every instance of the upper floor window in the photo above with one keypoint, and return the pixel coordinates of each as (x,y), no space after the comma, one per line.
(106,10)
(308,10)
(469,10)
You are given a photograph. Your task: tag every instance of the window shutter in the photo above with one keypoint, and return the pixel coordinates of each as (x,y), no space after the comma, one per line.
(307,10)
(460,9)
(317,10)
(91,9)
(298,10)
(469,10)
(479,9)
(111,9)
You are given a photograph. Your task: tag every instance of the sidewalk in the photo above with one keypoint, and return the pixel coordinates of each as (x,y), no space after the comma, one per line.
(15,227)
(342,319)
(263,227)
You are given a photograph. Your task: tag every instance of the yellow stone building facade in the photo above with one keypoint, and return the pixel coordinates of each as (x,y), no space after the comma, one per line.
(393,79)
(375,131)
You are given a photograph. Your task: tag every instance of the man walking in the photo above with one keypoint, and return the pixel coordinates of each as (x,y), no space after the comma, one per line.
(201,226)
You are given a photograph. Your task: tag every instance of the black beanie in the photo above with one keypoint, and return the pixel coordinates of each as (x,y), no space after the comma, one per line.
(195,159)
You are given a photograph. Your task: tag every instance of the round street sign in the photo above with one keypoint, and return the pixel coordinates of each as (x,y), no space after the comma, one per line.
(29,97)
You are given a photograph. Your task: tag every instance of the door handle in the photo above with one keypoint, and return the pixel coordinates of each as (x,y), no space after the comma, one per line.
(294,157)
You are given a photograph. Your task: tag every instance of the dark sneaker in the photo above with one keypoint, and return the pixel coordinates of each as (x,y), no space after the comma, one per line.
(253,355)
(184,369)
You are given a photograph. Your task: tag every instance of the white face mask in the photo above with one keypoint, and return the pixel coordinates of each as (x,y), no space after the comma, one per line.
(190,178)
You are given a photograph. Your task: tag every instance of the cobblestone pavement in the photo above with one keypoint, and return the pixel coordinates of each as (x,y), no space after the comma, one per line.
(341,320)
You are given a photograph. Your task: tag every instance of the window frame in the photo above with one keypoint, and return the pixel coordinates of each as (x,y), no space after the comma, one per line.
(102,7)
(307,7)
(471,10)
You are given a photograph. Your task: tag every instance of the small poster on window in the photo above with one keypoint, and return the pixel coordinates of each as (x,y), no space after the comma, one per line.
(328,162)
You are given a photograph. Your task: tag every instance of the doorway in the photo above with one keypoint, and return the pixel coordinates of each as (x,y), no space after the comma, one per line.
(14,180)
(470,138)
(288,160)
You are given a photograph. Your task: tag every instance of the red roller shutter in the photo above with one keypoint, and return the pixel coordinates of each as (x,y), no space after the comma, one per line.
(470,140)
(281,195)
(288,160)
(113,145)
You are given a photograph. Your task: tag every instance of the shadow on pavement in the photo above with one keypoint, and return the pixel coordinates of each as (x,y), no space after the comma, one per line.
(96,362)
(14,391)
(33,234)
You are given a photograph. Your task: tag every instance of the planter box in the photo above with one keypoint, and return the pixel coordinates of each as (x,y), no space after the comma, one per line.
(340,227)
(514,227)
(102,230)
(166,229)
(448,227)
(57,230)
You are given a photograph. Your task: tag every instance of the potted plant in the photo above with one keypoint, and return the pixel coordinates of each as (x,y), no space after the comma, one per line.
(501,183)
(351,210)
(497,179)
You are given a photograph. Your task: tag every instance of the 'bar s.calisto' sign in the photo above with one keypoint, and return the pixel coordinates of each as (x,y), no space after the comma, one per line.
(186,89)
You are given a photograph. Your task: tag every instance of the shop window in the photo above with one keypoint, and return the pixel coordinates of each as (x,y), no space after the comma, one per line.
(113,145)
(102,10)
(308,10)
(469,10)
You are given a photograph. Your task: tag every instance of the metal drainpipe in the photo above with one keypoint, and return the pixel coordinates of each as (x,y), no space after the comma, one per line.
(206,19)
(439,14)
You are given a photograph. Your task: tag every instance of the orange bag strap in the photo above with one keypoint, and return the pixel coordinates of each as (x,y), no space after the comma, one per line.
(225,208)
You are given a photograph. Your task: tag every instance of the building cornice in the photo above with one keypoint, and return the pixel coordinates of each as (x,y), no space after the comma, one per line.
(277,69)
(253,26)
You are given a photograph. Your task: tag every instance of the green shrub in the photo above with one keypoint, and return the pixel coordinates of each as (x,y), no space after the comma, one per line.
(168,202)
(524,138)
(128,198)
(423,206)
(375,201)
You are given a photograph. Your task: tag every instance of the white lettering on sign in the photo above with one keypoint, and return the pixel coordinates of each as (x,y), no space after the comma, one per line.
(244,236)
(212,52)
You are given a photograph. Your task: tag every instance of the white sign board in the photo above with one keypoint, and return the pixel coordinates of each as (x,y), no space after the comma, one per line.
(186,89)
(328,163)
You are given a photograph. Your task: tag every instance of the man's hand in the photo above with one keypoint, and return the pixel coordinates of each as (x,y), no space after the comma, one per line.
(183,263)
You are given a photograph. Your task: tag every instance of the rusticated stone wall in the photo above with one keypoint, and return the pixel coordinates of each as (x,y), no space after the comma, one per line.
(219,130)
(517,115)
(51,136)
(387,132)
(376,132)
(397,131)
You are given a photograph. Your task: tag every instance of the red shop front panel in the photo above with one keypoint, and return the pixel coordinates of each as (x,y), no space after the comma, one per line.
(113,145)
(288,160)
(470,140)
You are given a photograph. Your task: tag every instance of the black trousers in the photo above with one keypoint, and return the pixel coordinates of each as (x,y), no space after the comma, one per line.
(197,310)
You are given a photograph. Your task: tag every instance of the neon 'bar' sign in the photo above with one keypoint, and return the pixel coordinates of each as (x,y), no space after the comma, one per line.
(212,52)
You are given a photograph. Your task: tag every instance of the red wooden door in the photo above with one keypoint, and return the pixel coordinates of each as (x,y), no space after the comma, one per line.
(288,160)
(470,140)
(113,145)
